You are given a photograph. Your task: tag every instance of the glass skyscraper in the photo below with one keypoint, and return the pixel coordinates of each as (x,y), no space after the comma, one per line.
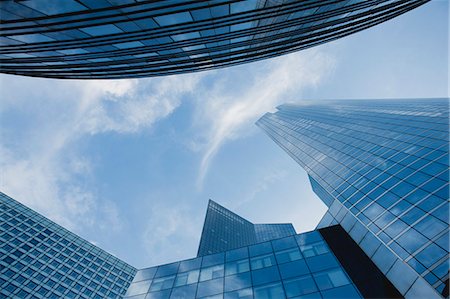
(85,39)
(382,168)
(325,263)
(224,230)
(40,259)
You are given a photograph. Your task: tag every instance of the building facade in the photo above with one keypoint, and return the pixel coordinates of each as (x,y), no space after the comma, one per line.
(94,39)
(224,230)
(40,259)
(325,263)
(382,168)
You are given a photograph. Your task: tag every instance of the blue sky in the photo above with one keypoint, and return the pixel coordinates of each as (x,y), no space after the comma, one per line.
(130,164)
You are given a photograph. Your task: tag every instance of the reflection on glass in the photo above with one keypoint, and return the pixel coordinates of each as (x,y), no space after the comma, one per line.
(270,291)
(237,267)
(331,279)
(262,261)
(211,272)
(187,278)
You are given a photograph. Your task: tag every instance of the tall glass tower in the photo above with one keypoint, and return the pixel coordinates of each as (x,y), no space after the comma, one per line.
(93,39)
(225,230)
(382,168)
(269,262)
(40,259)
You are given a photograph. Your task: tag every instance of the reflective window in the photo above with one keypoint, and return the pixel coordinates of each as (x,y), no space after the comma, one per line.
(259,249)
(237,267)
(238,281)
(314,249)
(211,272)
(292,269)
(187,278)
(288,255)
(240,294)
(300,286)
(137,288)
(265,275)
(210,287)
(270,291)
(183,292)
(262,261)
(162,283)
(330,279)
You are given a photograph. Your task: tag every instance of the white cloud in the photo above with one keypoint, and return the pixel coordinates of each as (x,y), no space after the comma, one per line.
(239,98)
(41,162)
(170,229)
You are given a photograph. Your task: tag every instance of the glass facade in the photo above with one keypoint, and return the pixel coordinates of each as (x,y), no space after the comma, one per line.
(224,230)
(40,259)
(84,39)
(300,266)
(382,168)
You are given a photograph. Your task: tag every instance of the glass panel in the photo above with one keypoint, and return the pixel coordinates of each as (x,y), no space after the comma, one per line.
(262,261)
(240,294)
(238,281)
(187,278)
(210,287)
(237,267)
(314,249)
(162,283)
(288,255)
(331,279)
(269,291)
(211,272)
(300,286)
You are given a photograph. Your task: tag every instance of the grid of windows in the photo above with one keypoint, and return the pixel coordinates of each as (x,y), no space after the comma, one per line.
(290,267)
(40,259)
(85,39)
(386,163)
(224,230)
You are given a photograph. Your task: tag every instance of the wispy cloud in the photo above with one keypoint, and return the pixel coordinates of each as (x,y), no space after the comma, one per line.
(241,96)
(170,229)
(44,126)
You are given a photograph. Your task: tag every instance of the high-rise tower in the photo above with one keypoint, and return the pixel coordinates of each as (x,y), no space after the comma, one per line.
(94,39)
(224,230)
(40,259)
(382,168)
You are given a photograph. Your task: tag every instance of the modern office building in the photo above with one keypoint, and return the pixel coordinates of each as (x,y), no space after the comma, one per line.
(86,39)
(325,263)
(224,230)
(382,168)
(40,259)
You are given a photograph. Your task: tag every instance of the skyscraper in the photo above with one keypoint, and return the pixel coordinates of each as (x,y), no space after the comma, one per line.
(382,168)
(40,259)
(325,263)
(224,230)
(84,39)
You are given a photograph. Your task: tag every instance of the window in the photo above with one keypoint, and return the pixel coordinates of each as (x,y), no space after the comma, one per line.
(331,279)
(211,272)
(300,286)
(270,291)
(262,261)
(187,278)
(314,249)
(210,287)
(162,283)
(237,267)
(288,255)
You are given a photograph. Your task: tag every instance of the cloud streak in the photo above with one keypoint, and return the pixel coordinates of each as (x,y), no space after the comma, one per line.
(231,112)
